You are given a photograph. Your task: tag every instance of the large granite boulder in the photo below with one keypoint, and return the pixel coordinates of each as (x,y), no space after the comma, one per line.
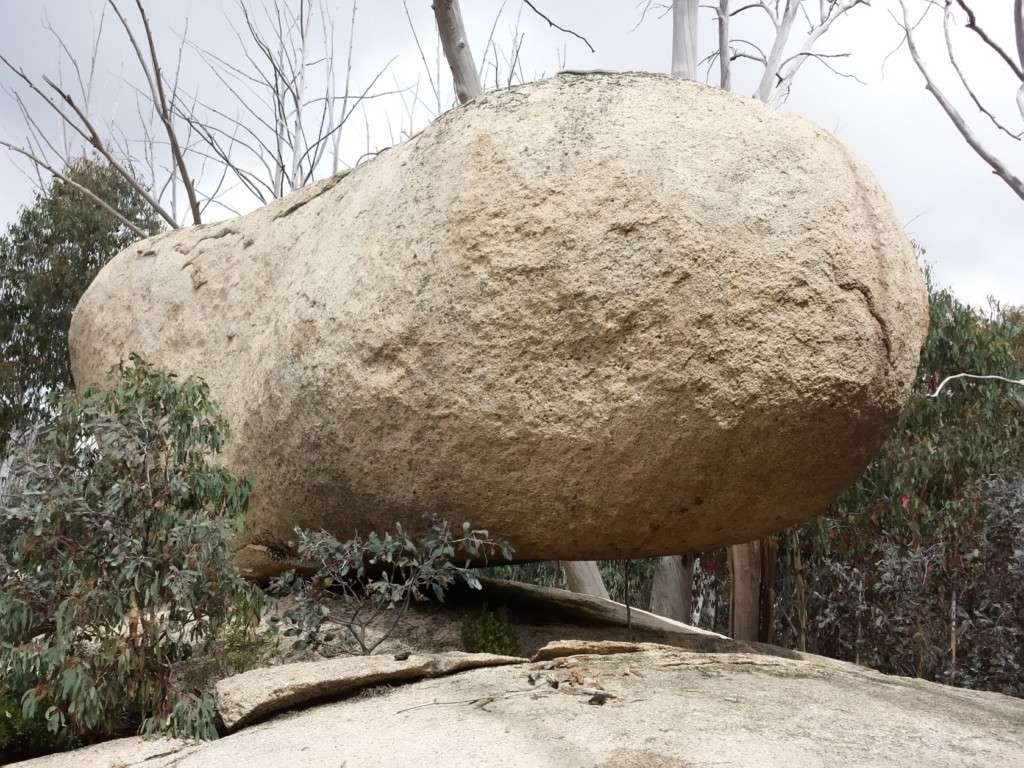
(603,316)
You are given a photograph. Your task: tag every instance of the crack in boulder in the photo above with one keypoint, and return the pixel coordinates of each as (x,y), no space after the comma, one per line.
(254,695)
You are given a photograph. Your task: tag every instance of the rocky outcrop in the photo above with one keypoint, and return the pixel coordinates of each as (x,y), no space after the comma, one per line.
(593,695)
(250,696)
(119,753)
(603,316)
(643,706)
(655,707)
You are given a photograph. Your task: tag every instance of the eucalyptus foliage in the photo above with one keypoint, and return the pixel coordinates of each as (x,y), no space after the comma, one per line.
(915,570)
(115,559)
(362,582)
(48,257)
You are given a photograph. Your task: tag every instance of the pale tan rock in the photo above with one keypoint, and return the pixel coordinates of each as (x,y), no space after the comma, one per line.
(661,707)
(657,707)
(561,648)
(604,316)
(119,753)
(253,695)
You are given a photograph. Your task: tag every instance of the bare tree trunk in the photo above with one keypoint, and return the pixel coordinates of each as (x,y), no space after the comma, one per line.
(768,549)
(752,590)
(672,588)
(799,590)
(582,576)
(744,590)
(724,56)
(456,49)
(774,61)
(684,38)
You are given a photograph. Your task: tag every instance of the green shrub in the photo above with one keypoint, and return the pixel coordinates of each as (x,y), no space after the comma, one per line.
(487,632)
(918,568)
(21,737)
(115,559)
(361,582)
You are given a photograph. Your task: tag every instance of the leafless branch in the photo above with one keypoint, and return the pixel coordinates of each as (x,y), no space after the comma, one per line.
(976,377)
(997,166)
(150,66)
(38,161)
(578,36)
(972,24)
(946,18)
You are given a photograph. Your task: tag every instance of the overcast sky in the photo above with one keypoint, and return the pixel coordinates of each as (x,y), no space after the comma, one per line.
(970,223)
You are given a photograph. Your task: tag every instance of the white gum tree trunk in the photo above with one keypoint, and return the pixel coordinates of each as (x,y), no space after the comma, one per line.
(457,50)
(582,576)
(684,38)
(744,590)
(672,588)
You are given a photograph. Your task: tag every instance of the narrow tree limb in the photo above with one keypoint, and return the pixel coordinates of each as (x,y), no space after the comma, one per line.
(976,377)
(1018,31)
(533,8)
(167,117)
(84,190)
(92,136)
(997,166)
(946,17)
(972,24)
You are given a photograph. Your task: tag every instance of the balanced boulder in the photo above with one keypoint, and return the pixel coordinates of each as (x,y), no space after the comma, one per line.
(603,316)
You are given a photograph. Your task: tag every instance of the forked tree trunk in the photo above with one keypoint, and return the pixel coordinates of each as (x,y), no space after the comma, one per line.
(582,576)
(672,588)
(457,50)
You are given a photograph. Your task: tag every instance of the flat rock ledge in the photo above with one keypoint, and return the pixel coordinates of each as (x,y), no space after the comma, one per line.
(254,695)
(594,704)
(119,753)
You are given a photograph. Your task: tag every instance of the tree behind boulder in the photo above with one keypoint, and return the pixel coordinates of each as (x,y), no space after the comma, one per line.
(48,257)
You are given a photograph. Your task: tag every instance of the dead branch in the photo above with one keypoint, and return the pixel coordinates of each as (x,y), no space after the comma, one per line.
(997,166)
(972,24)
(578,36)
(974,376)
(38,161)
(946,17)
(155,80)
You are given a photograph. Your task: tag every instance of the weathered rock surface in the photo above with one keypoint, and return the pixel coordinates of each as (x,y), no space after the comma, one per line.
(664,707)
(604,316)
(119,753)
(649,706)
(253,695)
